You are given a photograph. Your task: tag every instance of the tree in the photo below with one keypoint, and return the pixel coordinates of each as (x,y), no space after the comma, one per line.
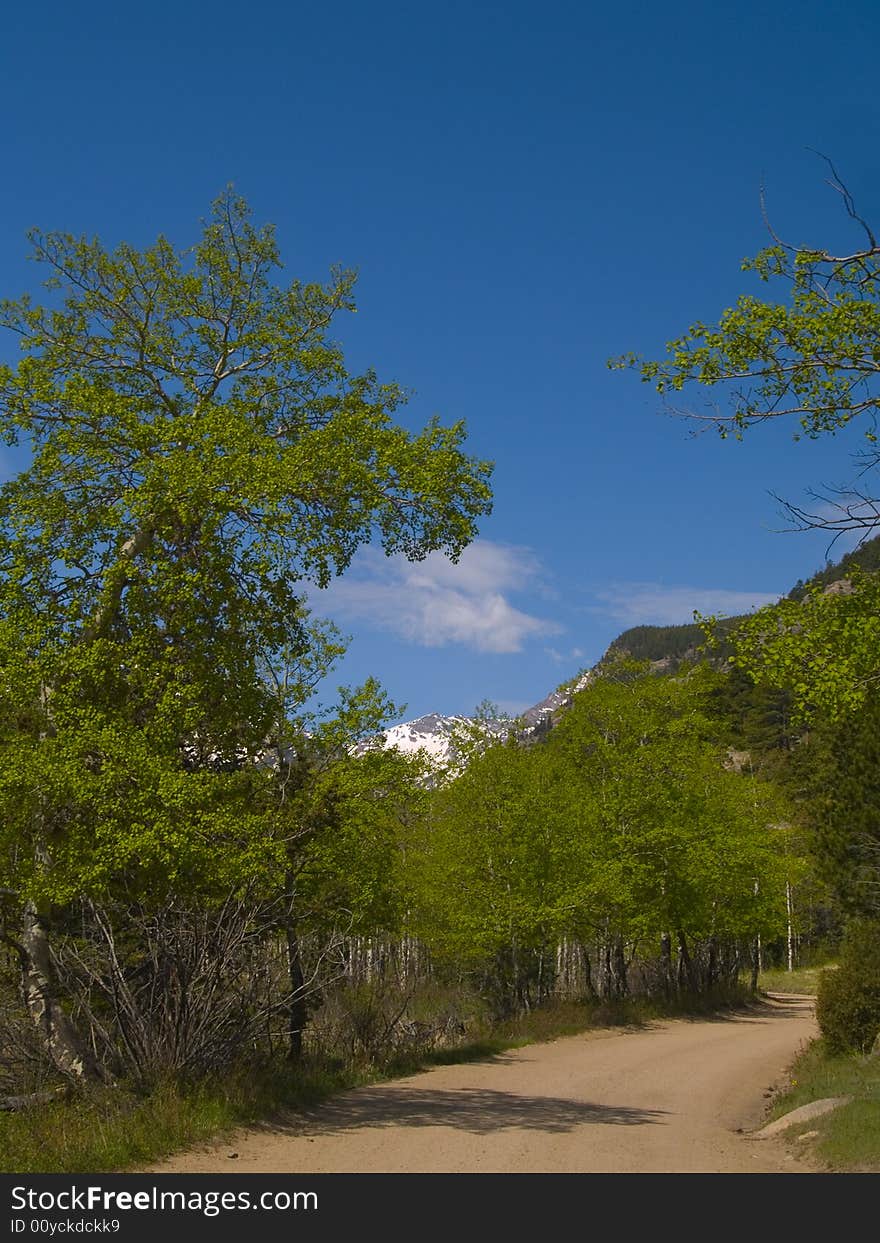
(811,359)
(621,829)
(823,650)
(844,784)
(486,872)
(199,451)
(669,842)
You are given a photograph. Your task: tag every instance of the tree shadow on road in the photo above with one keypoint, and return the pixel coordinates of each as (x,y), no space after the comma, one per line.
(477,1110)
(760,1009)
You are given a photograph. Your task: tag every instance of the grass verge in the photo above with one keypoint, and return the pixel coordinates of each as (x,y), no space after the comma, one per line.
(102,1130)
(801,980)
(114,1129)
(849,1138)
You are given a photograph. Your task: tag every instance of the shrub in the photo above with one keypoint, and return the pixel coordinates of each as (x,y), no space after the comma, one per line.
(848,1001)
(377,1021)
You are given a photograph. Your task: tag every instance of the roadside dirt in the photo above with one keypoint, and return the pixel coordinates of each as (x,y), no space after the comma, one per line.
(675,1097)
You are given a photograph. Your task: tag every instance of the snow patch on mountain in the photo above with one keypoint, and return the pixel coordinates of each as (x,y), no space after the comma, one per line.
(541,714)
(434,735)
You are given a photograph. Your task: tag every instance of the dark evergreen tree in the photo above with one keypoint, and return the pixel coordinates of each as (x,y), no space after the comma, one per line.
(846,780)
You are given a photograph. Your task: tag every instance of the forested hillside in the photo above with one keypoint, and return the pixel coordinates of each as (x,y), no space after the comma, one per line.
(865,557)
(659,642)
(676,643)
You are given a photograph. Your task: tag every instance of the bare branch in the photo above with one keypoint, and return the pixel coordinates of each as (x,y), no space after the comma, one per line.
(840,186)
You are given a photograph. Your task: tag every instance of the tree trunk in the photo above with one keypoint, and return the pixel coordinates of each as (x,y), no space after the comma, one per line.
(712,963)
(756,964)
(685,964)
(66,1047)
(605,974)
(296,1008)
(589,987)
(731,962)
(619,968)
(666,976)
(547,975)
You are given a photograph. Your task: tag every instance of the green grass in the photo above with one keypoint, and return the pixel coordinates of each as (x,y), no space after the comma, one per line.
(114,1129)
(110,1129)
(848,1138)
(801,980)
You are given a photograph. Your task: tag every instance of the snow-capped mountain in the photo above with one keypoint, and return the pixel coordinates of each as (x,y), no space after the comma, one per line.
(541,714)
(434,734)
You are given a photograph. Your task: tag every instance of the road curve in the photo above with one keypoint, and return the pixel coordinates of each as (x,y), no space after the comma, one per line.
(674,1097)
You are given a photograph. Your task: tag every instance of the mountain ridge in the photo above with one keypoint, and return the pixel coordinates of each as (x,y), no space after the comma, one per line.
(665,647)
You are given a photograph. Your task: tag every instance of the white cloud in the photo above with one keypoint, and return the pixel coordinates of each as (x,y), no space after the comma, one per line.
(564,658)
(637,604)
(434,602)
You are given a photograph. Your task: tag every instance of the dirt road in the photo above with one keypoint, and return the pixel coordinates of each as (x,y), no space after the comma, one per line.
(669,1098)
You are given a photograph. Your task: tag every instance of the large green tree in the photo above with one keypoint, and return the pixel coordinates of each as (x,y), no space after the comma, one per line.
(199,452)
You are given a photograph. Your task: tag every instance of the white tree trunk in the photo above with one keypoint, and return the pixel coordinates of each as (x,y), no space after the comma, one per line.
(65,1046)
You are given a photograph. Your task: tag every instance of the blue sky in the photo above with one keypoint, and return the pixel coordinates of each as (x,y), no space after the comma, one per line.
(525,190)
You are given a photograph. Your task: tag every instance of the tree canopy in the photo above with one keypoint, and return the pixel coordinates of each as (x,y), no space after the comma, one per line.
(199,451)
(823,649)
(621,827)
